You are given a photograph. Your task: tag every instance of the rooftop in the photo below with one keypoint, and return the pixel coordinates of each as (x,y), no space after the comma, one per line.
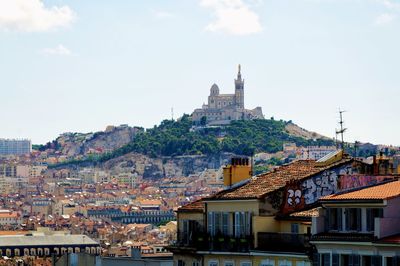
(45,240)
(263,184)
(195,206)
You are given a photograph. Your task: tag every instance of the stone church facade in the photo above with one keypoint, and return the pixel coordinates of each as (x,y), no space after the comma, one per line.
(223,108)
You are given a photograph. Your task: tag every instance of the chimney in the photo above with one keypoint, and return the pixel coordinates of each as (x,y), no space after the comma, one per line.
(238,170)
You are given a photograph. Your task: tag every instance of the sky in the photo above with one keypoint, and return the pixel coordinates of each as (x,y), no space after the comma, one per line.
(79,66)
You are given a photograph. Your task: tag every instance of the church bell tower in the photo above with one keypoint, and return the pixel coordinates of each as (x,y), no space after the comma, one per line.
(239,90)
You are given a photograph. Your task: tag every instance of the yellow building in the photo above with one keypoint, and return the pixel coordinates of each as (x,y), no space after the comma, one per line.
(260,221)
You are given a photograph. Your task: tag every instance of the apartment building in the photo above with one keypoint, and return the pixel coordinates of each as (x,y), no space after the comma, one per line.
(262,220)
(15,146)
(360,227)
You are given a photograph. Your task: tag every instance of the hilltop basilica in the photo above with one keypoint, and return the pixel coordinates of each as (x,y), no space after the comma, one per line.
(223,108)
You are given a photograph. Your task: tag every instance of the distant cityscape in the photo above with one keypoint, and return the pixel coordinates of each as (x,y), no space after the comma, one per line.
(298,205)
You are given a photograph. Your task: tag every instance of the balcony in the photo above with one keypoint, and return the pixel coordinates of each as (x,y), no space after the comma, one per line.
(284,242)
(204,242)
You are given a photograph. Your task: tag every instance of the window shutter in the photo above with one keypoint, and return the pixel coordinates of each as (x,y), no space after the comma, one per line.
(316,258)
(237,224)
(340,219)
(210,221)
(335,259)
(225,223)
(242,223)
(248,223)
(185,236)
(347,219)
(358,219)
(217,217)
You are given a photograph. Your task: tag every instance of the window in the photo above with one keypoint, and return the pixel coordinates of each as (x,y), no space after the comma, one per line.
(334,219)
(389,261)
(353,219)
(213,263)
(366,260)
(371,215)
(196,263)
(295,228)
(242,224)
(285,263)
(267,262)
(344,259)
(326,259)
(218,223)
(181,263)
(245,263)
(229,263)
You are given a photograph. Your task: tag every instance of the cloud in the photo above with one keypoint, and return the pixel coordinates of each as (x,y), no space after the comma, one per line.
(162,14)
(391,4)
(33,16)
(384,19)
(60,50)
(233,17)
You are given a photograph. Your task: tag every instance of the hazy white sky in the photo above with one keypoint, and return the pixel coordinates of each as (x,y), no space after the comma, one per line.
(78,66)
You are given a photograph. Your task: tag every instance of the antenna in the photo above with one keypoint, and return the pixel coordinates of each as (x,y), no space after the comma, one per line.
(172,113)
(342,129)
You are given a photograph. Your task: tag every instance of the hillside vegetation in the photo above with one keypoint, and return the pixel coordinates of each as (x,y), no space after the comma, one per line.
(174,138)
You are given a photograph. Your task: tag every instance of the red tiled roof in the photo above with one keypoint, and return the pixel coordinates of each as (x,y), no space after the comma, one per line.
(195,206)
(378,192)
(263,184)
(308,213)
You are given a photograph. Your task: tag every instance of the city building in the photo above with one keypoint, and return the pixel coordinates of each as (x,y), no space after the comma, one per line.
(316,152)
(223,108)
(46,245)
(262,220)
(15,146)
(360,227)
(8,217)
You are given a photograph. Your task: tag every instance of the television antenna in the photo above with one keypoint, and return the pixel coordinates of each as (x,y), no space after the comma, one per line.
(342,129)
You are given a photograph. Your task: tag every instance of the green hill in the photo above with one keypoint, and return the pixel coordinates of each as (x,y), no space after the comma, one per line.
(174,138)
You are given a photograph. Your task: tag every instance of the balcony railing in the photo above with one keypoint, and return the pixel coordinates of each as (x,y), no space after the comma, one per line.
(205,242)
(283,242)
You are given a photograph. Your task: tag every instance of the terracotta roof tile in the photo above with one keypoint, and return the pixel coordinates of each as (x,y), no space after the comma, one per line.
(195,206)
(308,213)
(265,183)
(378,192)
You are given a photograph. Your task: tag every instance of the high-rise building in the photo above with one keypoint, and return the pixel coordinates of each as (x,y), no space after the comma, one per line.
(15,146)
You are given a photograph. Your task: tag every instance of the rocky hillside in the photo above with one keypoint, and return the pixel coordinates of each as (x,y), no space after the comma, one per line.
(180,138)
(74,144)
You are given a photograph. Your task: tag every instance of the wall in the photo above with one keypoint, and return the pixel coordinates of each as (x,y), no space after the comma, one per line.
(234,205)
(354,181)
(300,193)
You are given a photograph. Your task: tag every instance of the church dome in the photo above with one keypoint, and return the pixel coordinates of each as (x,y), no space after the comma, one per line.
(214,89)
